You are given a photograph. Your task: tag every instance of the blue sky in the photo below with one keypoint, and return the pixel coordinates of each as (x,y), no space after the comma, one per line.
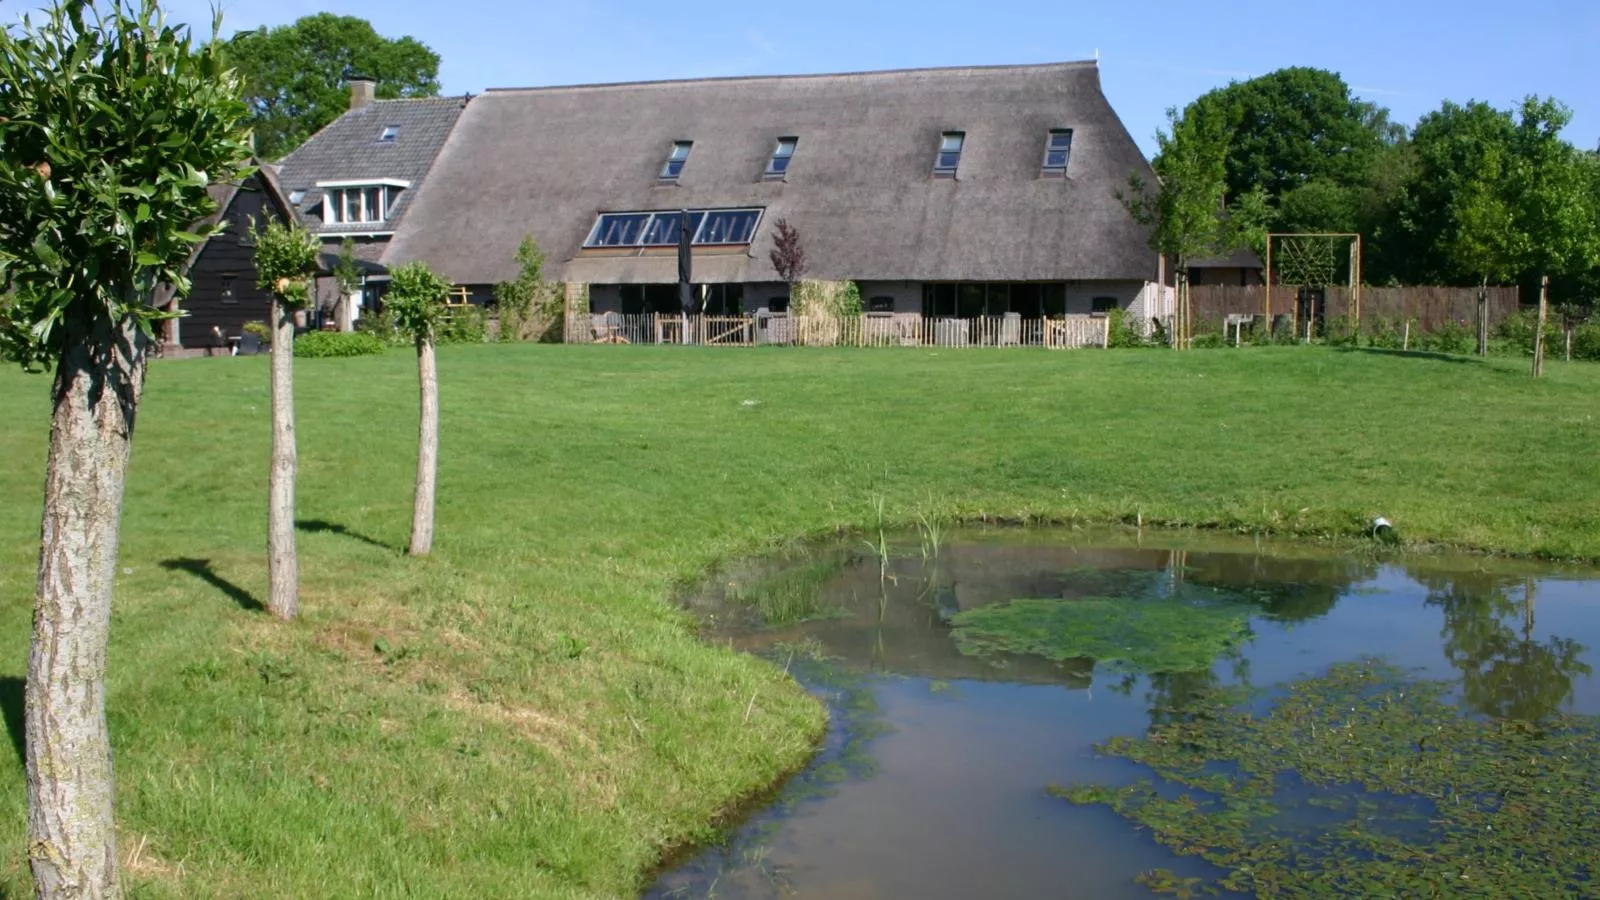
(1406,54)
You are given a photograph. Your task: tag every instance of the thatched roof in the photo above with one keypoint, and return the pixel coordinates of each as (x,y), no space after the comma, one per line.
(860,189)
(349,149)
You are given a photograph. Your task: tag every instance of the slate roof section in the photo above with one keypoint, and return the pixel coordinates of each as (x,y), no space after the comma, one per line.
(860,188)
(348,149)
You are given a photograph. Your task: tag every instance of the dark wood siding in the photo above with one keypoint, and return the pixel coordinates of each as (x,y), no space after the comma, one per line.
(225,295)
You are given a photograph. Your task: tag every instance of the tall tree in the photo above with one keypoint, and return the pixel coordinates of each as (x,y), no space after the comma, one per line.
(111,126)
(1553,205)
(297,76)
(286,260)
(416,298)
(1297,127)
(1186,210)
(1453,214)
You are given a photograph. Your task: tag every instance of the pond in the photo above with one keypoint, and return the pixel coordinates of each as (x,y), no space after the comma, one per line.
(1104,715)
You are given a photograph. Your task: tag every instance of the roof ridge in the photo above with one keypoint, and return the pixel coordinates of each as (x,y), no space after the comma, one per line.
(721,79)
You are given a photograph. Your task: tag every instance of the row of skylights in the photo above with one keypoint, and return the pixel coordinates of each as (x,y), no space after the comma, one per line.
(1057,151)
(660,229)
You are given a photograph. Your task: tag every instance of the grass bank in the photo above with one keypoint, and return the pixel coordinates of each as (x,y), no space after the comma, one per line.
(522,715)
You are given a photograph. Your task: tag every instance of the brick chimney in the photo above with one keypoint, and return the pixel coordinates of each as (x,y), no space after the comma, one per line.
(362,91)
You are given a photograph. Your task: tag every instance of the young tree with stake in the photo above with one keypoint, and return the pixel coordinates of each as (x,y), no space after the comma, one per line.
(286,259)
(416,298)
(112,124)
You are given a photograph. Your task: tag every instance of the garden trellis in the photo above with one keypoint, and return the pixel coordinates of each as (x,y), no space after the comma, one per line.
(1313,261)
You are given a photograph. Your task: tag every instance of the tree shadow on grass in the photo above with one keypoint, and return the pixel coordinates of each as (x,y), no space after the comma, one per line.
(201,569)
(12,705)
(1417,354)
(322,526)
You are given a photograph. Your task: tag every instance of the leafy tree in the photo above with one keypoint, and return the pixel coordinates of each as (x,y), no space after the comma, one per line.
(1294,127)
(517,298)
(347,275)
(416,299)
(1186,210)
(1453,214)
(286,260)
(297,76)
(111,126)
(1557,227)
(788,255)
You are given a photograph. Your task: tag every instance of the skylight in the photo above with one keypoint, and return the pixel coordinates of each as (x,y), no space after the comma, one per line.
(389,135)
(781,155)
(1057,150)
(950,144)
(676,160)
(708,227)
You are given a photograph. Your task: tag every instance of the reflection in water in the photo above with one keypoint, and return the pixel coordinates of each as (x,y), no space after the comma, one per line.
(964,743)
(1489,638)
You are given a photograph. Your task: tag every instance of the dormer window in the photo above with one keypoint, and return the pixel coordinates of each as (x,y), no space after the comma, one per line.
(676,160)
(389,135)
(950,144)
(360,202)
(778,166)
(1057,150)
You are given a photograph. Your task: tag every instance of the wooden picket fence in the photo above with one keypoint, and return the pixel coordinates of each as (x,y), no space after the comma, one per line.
(869,330)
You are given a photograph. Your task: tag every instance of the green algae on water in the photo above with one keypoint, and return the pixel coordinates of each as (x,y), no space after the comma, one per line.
(1365,782)
(1170,634)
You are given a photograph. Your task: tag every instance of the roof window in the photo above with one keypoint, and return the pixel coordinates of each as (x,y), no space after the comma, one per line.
(676,160)
(778,166)
(389,134)
(1057,150)
(950,144)
(707,227)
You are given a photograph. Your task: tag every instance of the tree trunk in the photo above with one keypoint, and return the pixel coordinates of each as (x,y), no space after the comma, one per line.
(1538,336)
(283,568)
(427,450)
(72,847)
(1483,317)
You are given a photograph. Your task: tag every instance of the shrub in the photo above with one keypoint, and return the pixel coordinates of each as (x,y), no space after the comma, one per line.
(464,325)
(1586,342)
(260,330)
(1339,331)
(1210,340)
(1518,329)
(1385,334)
(1124,334)
(324,344)
(1448,337)
(381,326)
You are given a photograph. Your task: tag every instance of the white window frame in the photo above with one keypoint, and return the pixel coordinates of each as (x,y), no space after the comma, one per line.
(343,202)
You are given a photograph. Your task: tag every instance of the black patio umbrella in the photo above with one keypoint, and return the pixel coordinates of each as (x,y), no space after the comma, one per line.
(686,296)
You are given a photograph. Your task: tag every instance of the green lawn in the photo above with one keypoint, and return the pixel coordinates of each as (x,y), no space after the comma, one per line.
(524,714)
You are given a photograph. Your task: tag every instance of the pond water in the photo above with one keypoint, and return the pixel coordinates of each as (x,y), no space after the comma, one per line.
(974,678)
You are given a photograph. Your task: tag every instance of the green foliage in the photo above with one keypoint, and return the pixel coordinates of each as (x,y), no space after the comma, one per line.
(1369,780)
(1123,334)
(529,306)
(261,330)
(1446,337)
(345,271)
(324,344)
(463,325)
(1182,633)
(1208,340)
(1519,328)
(381,325)
(1185,211)
(286,260)
(1384,334)
(296,77)
(416,300)
(112,125)
(1295,127)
